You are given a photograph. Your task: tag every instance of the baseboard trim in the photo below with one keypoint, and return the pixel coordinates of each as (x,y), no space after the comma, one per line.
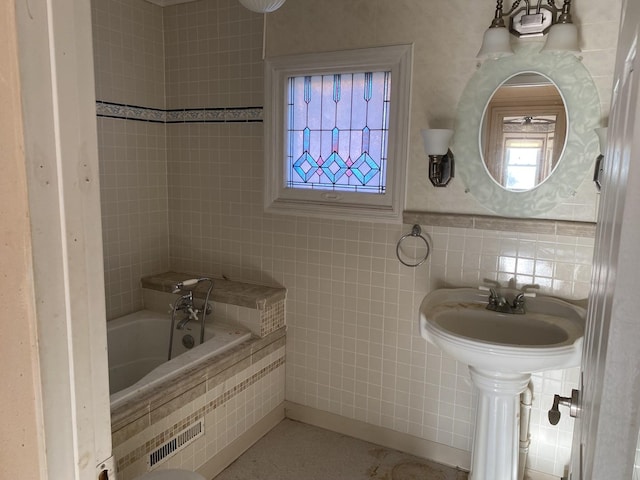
(231,452)
(385,437)
(535,475)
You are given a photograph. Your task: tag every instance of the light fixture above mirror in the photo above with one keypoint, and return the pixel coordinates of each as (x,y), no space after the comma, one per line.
(530,18)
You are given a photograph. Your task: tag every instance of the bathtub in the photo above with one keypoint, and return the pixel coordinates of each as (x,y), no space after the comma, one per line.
(138,347)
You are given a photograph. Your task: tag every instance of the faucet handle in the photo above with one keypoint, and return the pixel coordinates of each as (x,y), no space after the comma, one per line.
(530,287)
(493,283)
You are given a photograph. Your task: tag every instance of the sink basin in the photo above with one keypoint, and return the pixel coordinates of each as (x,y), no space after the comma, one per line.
(548,336)
(502,350)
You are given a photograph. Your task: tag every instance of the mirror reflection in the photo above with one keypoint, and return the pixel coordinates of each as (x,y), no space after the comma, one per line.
(523,131)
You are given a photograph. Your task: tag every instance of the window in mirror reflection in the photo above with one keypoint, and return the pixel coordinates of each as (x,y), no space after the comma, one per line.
(524,130)
(528,151)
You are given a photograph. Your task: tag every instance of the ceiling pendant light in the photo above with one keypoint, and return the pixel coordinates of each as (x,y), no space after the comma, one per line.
(262,6)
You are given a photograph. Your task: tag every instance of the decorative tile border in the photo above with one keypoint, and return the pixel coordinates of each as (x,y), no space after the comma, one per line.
(196,115)
(201,412)
(487,222)
(130,112)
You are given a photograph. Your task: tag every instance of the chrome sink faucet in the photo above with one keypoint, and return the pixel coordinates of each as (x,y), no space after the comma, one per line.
(499,303)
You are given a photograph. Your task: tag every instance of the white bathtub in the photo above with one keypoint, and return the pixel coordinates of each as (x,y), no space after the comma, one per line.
(138,346)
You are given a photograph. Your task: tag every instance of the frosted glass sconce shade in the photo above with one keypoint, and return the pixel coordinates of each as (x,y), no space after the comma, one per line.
(262,6)
(441,164)
(563,37)
(436,141)
(495,43)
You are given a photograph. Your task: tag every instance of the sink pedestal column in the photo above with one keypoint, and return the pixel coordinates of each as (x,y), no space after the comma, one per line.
(495,450)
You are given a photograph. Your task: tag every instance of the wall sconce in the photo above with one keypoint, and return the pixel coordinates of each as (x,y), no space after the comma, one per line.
(532,19)
(441,164)
(597,173)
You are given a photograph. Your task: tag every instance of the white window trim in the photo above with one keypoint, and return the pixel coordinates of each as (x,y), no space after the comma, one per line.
(340,205)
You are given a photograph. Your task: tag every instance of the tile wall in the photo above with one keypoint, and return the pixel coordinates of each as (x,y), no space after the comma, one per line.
(353,347)
(133,190)
(128,42)
(219,44)
(228,409)
(129,64)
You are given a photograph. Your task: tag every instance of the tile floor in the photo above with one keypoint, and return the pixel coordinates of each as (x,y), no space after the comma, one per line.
(297,451)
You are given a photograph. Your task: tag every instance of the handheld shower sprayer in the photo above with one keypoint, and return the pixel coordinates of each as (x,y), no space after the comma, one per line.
(189,283)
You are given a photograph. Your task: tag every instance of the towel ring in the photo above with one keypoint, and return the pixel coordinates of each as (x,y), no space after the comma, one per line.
(416,231)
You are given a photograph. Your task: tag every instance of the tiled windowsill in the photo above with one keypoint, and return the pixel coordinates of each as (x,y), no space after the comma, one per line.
(224,291)
(486,222)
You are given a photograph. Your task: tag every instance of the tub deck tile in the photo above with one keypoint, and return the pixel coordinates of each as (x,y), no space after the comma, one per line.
(224,291)
(163,409)
(128,413)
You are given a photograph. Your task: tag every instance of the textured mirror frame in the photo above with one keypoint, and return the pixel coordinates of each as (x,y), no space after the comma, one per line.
(583,116)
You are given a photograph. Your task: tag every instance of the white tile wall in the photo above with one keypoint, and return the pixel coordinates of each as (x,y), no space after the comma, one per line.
(133,191)
(353,347)
(128,52)
(219,44)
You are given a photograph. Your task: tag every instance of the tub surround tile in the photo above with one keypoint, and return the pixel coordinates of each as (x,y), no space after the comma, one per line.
(487,222)
(168,397)
(222,375)
(224,291)
(137,454)
(129,413)
(121,434)
(272,318)
(267,350)
(164,409)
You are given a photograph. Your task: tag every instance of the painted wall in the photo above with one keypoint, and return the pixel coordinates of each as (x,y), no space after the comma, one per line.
(21,443)
(446,37)
(353,348)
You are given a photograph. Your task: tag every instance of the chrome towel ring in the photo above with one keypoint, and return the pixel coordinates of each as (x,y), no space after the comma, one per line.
(416,231)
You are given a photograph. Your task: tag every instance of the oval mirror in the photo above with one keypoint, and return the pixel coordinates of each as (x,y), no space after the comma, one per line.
(523,131)
(576,161)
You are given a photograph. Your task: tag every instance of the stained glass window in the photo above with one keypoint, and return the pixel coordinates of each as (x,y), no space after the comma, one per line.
(338,128)
(336,133)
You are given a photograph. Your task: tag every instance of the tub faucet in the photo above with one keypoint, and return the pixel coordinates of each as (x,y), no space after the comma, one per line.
(185,304)
(193,315)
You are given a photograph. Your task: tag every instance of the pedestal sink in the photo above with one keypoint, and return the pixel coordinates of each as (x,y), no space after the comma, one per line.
(502,350)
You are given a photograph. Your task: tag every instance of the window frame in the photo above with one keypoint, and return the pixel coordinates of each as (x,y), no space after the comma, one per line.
(327,203)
